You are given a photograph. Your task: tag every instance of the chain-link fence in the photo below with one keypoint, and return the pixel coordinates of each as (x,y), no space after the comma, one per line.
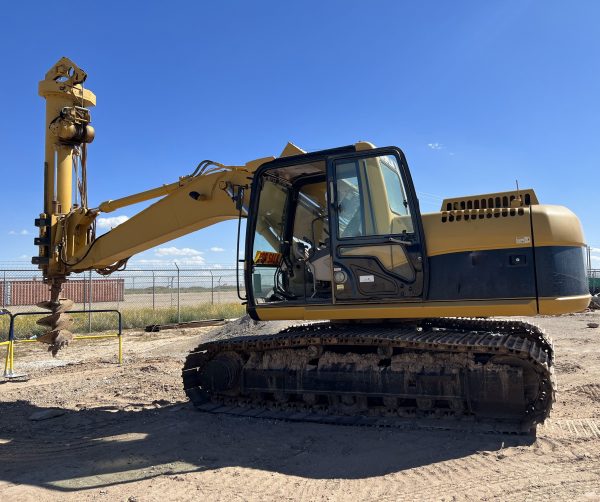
(592,273)
(153,296)
(594,278)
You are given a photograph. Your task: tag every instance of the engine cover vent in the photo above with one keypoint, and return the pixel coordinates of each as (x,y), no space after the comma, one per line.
(480,214)
(492,200)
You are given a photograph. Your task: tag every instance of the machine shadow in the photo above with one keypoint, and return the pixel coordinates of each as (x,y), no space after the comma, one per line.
(96,447)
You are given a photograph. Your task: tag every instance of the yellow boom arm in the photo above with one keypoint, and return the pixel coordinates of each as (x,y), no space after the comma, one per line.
(194,203)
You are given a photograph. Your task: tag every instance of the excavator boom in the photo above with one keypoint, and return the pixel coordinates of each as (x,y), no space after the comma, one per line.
(195,203)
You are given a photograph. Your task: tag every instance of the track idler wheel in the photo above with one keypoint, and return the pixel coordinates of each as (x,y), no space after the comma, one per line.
(222,374)
(58,323)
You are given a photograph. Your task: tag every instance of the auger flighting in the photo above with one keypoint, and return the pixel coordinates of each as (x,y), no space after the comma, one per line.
(59,323)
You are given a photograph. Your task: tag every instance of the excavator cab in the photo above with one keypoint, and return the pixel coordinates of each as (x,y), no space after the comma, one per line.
(336,226)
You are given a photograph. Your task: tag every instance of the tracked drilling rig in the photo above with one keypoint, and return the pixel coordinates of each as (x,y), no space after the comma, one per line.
(401,298)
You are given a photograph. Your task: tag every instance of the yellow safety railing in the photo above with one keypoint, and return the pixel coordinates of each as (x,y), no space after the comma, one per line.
(11,342)
(8,363)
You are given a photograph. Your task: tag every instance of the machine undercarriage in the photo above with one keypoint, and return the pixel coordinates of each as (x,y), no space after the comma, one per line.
(488,374)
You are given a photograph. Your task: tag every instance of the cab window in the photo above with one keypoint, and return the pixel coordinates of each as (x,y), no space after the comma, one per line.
(371,198)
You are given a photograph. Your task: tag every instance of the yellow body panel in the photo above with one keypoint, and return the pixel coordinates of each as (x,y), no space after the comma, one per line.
(511,229)
(563,305)
(556,226)
(408,310)
(466,231)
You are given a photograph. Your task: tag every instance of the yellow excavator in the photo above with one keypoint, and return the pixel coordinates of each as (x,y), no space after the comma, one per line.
(403,304)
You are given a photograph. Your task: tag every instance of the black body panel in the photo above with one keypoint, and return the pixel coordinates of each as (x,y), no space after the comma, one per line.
(561,271)
(508,273)
(480,275)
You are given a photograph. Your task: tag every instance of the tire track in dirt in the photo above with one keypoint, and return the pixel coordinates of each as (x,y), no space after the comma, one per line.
(581,428)
(564,489)
(490,474)
(591,391)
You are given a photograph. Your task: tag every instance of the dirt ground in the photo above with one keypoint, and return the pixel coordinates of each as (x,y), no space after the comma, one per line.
(127,433)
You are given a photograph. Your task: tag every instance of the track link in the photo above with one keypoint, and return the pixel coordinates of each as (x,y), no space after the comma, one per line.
(449,373)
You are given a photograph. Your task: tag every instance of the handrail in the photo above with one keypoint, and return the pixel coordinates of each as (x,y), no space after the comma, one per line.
(10,354)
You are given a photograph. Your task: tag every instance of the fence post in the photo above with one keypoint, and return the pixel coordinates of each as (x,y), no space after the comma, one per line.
(4,291)
(178,288)
(153,292)
(90,303)
(11,347)
(212,288)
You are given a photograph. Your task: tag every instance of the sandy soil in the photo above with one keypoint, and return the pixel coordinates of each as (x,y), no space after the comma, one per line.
(127,433)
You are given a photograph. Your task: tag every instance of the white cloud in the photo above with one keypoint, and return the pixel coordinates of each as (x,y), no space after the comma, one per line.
(19,232)
(175,251)
(111,222)
(193,260)
(216,249)
(146,261)
(12,232)
(166,257)
(24,232)
(188,261)
(436,146)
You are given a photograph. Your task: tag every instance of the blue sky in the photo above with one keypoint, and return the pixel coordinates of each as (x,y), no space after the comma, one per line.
(477,94)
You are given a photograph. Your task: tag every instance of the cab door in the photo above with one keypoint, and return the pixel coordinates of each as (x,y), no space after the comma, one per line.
(376,235)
